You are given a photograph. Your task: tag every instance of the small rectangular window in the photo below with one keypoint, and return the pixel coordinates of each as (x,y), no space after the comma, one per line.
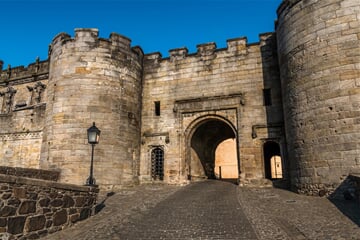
(157,108)
(267,97)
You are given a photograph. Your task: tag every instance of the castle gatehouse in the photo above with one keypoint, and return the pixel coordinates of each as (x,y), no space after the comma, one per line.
(286,107)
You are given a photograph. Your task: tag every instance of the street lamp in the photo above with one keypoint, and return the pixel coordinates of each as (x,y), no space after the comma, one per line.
(93,134)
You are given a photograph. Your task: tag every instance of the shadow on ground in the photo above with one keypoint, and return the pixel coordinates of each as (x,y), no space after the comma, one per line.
(101,205)
(346,200)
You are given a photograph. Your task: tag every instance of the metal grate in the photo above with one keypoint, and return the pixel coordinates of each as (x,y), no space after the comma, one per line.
(157,164)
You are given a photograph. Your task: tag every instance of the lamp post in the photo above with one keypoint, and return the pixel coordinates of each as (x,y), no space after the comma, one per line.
(93,134)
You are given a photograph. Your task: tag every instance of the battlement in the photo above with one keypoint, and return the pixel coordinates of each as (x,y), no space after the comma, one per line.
(235,46)
(88,38)
(36,68)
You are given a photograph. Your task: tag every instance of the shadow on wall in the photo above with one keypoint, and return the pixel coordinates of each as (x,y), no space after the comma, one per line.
(281,183)
(275,169)
(346,198)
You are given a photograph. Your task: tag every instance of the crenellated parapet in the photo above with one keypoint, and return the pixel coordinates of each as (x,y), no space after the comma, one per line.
(237,46)
(209,51)
(178,54)
(86,39)
(38,70)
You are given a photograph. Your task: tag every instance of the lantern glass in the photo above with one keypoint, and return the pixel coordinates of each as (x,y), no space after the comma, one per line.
(93,134)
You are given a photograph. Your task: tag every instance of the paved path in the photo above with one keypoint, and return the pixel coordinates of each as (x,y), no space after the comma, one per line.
(215,210)
(204,210)
(279,214)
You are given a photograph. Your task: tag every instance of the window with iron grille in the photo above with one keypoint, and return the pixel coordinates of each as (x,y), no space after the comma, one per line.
(157,163)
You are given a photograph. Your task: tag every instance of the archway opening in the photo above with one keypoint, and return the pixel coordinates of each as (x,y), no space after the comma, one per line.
(204,142)
(226,160)
(272,160)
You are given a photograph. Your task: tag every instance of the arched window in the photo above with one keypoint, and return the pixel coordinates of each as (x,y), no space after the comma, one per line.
(157,163)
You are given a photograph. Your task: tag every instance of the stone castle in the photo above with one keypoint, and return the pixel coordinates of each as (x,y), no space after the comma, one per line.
(287,107)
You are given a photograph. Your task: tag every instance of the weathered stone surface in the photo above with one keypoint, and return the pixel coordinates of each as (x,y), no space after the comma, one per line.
(7,211)
(33,236)
(16,224)
(19,192)
(33,216)
(60,217)
(56,202)
(72,210)
(35,223)
(13,202)
(44,202)
(80,201)
(27,207)
(74,218)
(68,201)
(3,222)
(6,196)
(321,99)
(48,223)
(85,213)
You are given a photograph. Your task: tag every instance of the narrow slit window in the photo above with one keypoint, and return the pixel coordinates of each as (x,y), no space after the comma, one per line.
(157,108)
(267,97)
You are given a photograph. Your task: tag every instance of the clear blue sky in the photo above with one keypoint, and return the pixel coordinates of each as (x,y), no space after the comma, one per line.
(28,26)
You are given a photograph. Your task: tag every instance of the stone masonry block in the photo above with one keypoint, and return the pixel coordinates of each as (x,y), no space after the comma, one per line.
(35,223)
(6,211)
(16,224)
(27,207)
(19,192)
(68,201)
(60,217)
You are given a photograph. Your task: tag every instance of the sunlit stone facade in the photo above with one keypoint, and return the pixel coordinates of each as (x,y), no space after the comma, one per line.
(294,94)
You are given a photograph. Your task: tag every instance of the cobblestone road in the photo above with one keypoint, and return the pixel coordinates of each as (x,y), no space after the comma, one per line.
(199,211)
(216,210)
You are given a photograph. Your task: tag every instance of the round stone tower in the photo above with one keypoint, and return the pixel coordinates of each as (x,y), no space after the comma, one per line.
(93,80)
(319,52)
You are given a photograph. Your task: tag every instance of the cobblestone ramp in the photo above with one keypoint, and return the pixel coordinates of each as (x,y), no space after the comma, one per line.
(214,210)
(204,210)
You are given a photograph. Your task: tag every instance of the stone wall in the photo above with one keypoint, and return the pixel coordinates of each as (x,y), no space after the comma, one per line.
(31,173)
(32,208)
(97,80)
(223,85)
(22,108)
(308,69)
(318,47)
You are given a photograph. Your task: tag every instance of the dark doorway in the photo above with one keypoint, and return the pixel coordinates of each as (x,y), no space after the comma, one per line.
(204,141)
(272,160)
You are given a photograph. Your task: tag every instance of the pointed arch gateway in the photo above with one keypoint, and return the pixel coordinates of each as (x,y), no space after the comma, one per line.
(204,135)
